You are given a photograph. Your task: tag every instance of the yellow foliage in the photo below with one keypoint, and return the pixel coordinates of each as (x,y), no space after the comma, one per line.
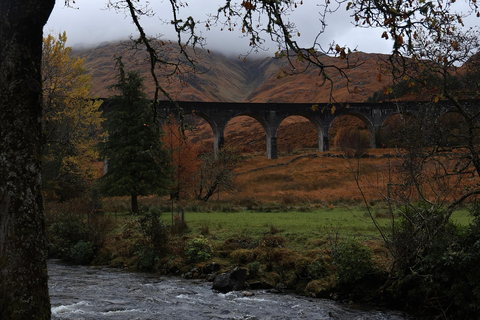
(71,119)
(332,111)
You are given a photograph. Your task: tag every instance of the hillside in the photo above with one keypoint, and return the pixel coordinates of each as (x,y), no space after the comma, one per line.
(220,78)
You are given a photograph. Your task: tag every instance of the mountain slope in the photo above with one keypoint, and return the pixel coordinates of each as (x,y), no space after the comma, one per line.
(220,78)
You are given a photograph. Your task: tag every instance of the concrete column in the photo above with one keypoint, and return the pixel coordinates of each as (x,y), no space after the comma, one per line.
(323,143)
(374,133)
(272,152)
(218,139)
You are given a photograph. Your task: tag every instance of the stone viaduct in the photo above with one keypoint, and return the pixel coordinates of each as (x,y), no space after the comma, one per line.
(322,115)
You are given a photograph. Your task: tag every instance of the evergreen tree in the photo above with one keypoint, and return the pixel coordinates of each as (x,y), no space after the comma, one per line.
(137,163)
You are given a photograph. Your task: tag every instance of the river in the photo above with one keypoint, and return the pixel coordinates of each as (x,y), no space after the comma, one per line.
(97,293)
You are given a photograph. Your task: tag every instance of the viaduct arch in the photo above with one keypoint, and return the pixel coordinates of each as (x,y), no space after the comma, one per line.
(322,115)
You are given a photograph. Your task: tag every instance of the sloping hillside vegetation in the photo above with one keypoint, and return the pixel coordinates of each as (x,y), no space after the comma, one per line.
(220,78)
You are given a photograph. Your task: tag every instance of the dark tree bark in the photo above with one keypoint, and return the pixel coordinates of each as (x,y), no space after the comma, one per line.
(23,267)
(134,204)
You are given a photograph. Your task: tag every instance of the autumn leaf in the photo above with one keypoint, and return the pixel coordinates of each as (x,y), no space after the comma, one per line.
(379,77)
(332,111)
(455,45)
(315,107)
(399,40)
(248,5)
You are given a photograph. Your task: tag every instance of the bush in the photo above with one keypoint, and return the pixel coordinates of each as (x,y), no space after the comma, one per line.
(438,263)
(97,228)
(64,232)
(316,270)
(179,224)
(272,241)
(146,259)
(243,255)
(421,235)
(155,232)
(354,143)
(240,242)
(70,222)
(81,253)
(198,249)
(253,268)
(353,261)
(309,269)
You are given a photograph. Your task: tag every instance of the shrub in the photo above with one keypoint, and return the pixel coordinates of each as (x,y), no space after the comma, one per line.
(198,249)
(272,241)
(240,242)
(204,230)
(421,234)
(155,232)
(98,226)
(353,261)
(81,253)
(64,232)
(309,269)
(73,221)
(253,268)
(179,225)
(353,142)
(146,259)
(316,270)
(242,255)
(437,263)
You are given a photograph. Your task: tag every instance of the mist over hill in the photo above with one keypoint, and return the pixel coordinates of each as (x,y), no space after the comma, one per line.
(217,77)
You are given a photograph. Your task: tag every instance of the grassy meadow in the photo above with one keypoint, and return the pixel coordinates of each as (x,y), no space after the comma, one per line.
(302,228)
(346,222)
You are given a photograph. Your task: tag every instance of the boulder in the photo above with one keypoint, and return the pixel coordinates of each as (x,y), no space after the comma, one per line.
(230,281)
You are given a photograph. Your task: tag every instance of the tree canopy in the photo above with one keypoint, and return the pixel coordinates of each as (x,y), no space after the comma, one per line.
(137,162)
(71,121)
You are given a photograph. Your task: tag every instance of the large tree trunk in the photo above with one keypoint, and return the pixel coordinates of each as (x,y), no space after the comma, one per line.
(23,264)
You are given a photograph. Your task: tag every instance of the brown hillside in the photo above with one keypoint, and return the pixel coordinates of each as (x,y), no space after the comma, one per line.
(220,78)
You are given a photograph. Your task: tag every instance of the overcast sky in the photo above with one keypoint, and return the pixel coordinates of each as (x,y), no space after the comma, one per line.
(92,24)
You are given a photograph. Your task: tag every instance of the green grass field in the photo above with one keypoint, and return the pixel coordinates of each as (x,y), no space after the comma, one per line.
(297,227)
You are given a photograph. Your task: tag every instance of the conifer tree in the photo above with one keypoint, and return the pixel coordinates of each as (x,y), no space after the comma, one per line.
(137,163)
